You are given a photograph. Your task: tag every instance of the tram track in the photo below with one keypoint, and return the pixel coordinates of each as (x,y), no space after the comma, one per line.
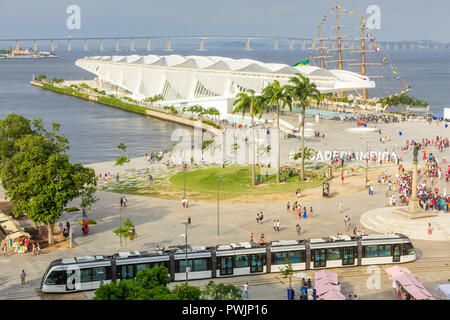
(426,265)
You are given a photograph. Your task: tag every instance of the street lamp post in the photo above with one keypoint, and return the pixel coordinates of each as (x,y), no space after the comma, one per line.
(120,223)
(184,169)
(186,250)
(367,161)
(218,179)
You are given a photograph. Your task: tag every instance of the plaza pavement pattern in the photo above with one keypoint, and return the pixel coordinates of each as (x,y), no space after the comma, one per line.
(160,221)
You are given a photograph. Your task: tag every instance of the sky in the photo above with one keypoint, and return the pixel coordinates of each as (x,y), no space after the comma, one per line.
(399,19)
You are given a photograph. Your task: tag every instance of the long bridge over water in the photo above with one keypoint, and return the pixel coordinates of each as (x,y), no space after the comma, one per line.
(293,42)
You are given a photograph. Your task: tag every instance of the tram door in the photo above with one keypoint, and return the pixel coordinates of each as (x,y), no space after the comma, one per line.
(71,280)
(348,257)
(396,253)
(319,258)
(226,266)
(256,263)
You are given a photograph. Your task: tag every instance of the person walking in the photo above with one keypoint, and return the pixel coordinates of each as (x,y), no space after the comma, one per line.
(38,249)
(278,225)
(288,206)
(430,229)
(23,276)
(261,217)
(298,229)
(251,238)
(341,207)
(304,213)
(257,218)
(124,201)
(5,249)
(121,201)
(246,290)
(261,239)
(189,222)
(274,225)
(310,212)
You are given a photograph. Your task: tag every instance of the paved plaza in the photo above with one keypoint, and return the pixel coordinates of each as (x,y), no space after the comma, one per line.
(160,222)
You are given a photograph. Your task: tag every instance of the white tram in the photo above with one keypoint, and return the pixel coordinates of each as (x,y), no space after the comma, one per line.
(87,273)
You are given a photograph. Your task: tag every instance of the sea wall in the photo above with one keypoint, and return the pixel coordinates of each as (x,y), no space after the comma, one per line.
(117,103)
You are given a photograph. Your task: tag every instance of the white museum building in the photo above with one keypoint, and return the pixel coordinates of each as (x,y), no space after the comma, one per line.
(209,81)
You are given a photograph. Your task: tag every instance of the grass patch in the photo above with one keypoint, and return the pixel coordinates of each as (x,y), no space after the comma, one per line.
(236,182)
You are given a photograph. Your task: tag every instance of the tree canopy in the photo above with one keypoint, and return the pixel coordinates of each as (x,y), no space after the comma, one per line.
(152,284)
(36,172)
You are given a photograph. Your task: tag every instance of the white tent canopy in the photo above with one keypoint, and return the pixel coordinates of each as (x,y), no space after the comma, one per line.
(444,289)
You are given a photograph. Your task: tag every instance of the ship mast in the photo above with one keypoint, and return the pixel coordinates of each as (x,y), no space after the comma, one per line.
(321,48)
(339,45)
(363,54)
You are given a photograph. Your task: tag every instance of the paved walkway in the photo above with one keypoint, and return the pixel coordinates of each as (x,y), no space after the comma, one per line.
(160,222)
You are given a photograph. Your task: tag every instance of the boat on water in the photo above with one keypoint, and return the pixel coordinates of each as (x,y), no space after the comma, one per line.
(27,54)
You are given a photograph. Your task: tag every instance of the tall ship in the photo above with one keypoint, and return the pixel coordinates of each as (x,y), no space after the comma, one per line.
(353,47)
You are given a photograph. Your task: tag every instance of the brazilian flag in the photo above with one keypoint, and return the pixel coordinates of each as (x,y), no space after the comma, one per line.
(301,63)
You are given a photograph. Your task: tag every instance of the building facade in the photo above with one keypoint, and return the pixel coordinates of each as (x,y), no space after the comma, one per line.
(209,81)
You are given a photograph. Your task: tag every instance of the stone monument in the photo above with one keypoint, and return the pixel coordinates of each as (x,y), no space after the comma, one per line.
(413,205)
(413,209)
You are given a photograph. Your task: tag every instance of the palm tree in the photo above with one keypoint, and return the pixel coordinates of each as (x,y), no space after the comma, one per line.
(153,99)
(253,104)
(303,91)
(387,101)
(213,112)
(276,95)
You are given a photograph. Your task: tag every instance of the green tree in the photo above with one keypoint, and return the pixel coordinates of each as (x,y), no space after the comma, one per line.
(149,284)
(41,77)
(303,91)
(36,172)
(124,158)
(126,231)
(221,291)
(88,197)
(276,95)
(186,292)
(287,271)
(213,112)
(253,104)
(121,290)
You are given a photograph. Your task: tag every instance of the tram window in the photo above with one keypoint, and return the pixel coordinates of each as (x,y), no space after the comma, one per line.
(384,250)
(86,275)
(182,265)
(280,257)
(142,266)
(200,264)
(127,271)
(241,261)
(160,264)
(371,251)
(55,278)
(99,274)
(408,249)
(334,254)
(297,256)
